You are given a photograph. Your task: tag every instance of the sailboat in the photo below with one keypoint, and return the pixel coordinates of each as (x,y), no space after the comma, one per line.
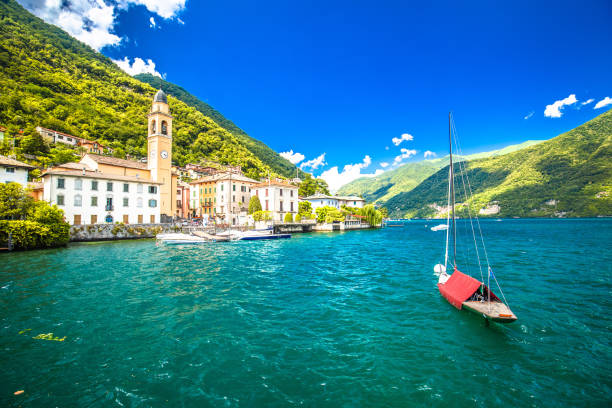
(460,289)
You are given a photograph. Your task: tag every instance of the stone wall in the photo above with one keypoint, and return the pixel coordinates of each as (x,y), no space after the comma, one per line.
(106,232)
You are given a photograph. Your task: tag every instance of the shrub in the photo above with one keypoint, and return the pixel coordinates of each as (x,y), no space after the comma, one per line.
(298,218)
(262,216)
(288,217)
(254,205)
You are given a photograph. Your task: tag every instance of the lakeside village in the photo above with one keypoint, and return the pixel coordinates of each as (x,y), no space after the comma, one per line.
(104,197)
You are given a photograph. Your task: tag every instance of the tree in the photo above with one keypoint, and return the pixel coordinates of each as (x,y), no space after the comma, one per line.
(254,205)
(33,143)
(305,209)
(61,154)
(310,186)
(372,215)
(383,212)
(14,202)
(262,216)
(298,218)
(288,217)
(328,214)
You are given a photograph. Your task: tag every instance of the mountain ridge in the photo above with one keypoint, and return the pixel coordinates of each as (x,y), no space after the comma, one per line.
(50,79)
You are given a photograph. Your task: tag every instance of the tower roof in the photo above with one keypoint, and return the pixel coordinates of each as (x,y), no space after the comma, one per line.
(160,96)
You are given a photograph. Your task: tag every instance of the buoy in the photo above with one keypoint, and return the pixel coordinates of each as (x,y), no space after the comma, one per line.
(19,392)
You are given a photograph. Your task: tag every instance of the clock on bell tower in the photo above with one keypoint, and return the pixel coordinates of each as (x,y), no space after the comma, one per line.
(159,161)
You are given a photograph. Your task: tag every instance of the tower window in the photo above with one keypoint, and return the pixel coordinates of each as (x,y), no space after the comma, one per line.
(164,127)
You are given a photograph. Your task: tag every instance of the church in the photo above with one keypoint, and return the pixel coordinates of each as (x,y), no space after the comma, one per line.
(103,189)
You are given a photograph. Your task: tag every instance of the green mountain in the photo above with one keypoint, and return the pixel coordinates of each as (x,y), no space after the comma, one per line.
(267,155)
(50,79)
(569,175)
(406,177)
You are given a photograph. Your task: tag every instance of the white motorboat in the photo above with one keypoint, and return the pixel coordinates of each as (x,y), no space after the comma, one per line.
(441,227)
(178,239)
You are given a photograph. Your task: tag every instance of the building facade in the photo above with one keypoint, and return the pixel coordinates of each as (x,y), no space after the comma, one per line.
(322,200)
(278,197)
(102,189)
(14,171)
(89,197)
(232,196)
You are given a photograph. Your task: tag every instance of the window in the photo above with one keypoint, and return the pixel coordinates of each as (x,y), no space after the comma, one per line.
(94,203)
(139,188)
(60,136)
(281,206)
(267,205)
(126,188)
(266,192)
(152,203)
(152,126)
(281,191)
(69,139)
(221,187)
(78,184)
(61,182)
(77,219)
(242,199)
(126,202)
(234,187)
(291,193)
(234,198)
(152,189)
(164,127)
(78,200)
(94,219)
(94,185)
(109,186)
(10,169)
(109,204)
(291,206)
(140,218)
(139,202)
(152,219)
(60,199)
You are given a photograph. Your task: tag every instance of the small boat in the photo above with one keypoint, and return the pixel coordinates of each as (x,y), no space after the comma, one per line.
(180,239)
(461,290)
(441,227)
(256,235)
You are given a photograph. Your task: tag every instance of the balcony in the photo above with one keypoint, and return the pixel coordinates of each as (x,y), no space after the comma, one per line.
(109,207)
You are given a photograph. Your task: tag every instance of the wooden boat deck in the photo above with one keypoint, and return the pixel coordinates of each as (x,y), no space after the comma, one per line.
(496,311)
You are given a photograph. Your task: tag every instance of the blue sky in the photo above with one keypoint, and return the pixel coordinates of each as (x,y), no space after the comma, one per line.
(344,78)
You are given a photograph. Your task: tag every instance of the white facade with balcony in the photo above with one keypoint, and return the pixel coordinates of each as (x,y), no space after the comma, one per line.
(279,198)
(91,198)
(232,197)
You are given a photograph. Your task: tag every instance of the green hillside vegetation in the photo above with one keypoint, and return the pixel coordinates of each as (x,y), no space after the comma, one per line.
(406,177)
(267,155)
(569,175)
(52,80)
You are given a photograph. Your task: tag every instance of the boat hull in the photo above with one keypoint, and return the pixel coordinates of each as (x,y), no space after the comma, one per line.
(496,311)
(260,237)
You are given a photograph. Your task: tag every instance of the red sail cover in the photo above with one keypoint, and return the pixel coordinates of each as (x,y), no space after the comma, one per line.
(458,288)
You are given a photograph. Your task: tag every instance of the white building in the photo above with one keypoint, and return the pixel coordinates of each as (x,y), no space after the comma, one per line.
(232,196)
(89,197)
(351,201)
(14,171)
(322,200)
(278,197)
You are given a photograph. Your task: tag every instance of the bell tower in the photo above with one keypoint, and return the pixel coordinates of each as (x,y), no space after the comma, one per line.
(159,160)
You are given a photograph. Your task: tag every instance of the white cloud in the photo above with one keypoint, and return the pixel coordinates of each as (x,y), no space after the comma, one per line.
(397,140)
(554,110)
(93,21)
(350,172)
(604,102)
(386,147)
(152,21)
(137,67)
(429,153)
(314,163)
(384,164)
(530,114)
(588,101)
(181,22)
(406,154)
(164,8)
(294,158)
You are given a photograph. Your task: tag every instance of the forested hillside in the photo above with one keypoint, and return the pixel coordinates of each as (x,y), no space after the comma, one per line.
(50,79)
(569,175)
(269,156)
(406,177)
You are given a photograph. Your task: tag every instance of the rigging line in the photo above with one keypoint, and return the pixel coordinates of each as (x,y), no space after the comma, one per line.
(463,173)
(448,211)
(482,240)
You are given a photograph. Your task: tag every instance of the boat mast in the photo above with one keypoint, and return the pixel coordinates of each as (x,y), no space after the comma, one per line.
(452,191)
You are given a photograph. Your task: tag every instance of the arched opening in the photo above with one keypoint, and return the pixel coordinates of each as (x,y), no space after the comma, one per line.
(153,126)
(164,127)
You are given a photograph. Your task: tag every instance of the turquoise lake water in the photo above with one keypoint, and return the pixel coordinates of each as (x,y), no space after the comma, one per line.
(321,320)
